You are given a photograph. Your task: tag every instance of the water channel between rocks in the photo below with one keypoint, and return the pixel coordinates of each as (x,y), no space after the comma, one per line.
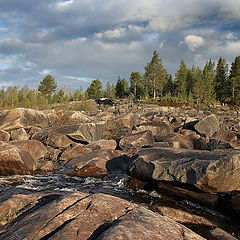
(115,185)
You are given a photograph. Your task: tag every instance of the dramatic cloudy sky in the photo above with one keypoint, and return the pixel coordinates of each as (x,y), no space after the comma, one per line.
(77,41)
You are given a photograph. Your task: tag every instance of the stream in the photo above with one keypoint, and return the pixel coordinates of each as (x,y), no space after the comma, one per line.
(115,184)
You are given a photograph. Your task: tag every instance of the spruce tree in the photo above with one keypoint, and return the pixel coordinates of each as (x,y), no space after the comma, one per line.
(155,76)
(122,89)
(181,79)
(235,80)
(208,79)
(137,87)
(221,81)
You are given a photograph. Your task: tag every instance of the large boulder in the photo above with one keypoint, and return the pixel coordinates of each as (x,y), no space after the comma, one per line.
(83,216)
(19,134)
(23,118)
(14,160)
(97,163)
(157,128)
(207,126)
(34,147)
(134,142)
(74,152)
(63,136)
(212,171)
(119,126)
(4,136)
(103,144)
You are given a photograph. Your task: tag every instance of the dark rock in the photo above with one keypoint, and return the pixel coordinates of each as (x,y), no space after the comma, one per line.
(213,171)
(4,136)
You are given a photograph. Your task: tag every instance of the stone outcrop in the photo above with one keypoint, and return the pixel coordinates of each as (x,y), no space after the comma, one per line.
(19,134)
(97,163)
(215,171)
(84,216)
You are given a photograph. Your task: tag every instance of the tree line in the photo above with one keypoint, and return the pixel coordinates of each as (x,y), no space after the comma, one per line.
(189,85)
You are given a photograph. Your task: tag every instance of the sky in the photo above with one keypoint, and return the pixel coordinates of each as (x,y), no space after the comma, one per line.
(77,41)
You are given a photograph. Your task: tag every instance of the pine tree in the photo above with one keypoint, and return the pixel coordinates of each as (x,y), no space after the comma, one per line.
(95,91)
(221,81)
(235,80)
(155,76)
(47,86)
(181,79)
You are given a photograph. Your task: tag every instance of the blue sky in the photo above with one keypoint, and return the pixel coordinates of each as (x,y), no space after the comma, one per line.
(77,41)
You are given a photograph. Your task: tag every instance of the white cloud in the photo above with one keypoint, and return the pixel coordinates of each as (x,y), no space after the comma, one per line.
(193,42)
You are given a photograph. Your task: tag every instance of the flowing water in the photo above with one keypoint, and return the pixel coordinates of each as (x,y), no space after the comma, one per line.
(114,184)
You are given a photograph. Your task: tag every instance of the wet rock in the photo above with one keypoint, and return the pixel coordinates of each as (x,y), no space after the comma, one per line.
(213,171)
(103,144)
(22,118)
(19,134)
(134,142)
(74,152)
(15,161)
(86,132)
(34,147)
(83,216)
(207,126)
(98,163)
(119,126)
(4,136)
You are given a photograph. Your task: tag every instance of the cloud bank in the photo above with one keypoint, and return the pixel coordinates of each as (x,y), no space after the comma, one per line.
(80,40)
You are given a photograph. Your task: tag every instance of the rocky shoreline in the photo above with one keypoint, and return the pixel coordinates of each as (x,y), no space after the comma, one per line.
(181,152)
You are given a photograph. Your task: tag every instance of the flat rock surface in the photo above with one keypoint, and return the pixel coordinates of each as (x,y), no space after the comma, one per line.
(84,216)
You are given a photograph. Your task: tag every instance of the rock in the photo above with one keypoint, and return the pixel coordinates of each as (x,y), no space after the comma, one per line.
(218,234)
(86,132)
(207,126)
(46,167)
(74,152)
(119,126)
(22,118)
(134,142)
(15,161)
(4,136)
(52,154)
(218,144)
(70,117)
(157,128)
(138,224)
(19,134)
(98,163)
(34,147)
(212,171)
(84,216)
(103,144)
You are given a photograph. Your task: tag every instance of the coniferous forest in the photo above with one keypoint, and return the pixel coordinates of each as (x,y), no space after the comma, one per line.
(215,83)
